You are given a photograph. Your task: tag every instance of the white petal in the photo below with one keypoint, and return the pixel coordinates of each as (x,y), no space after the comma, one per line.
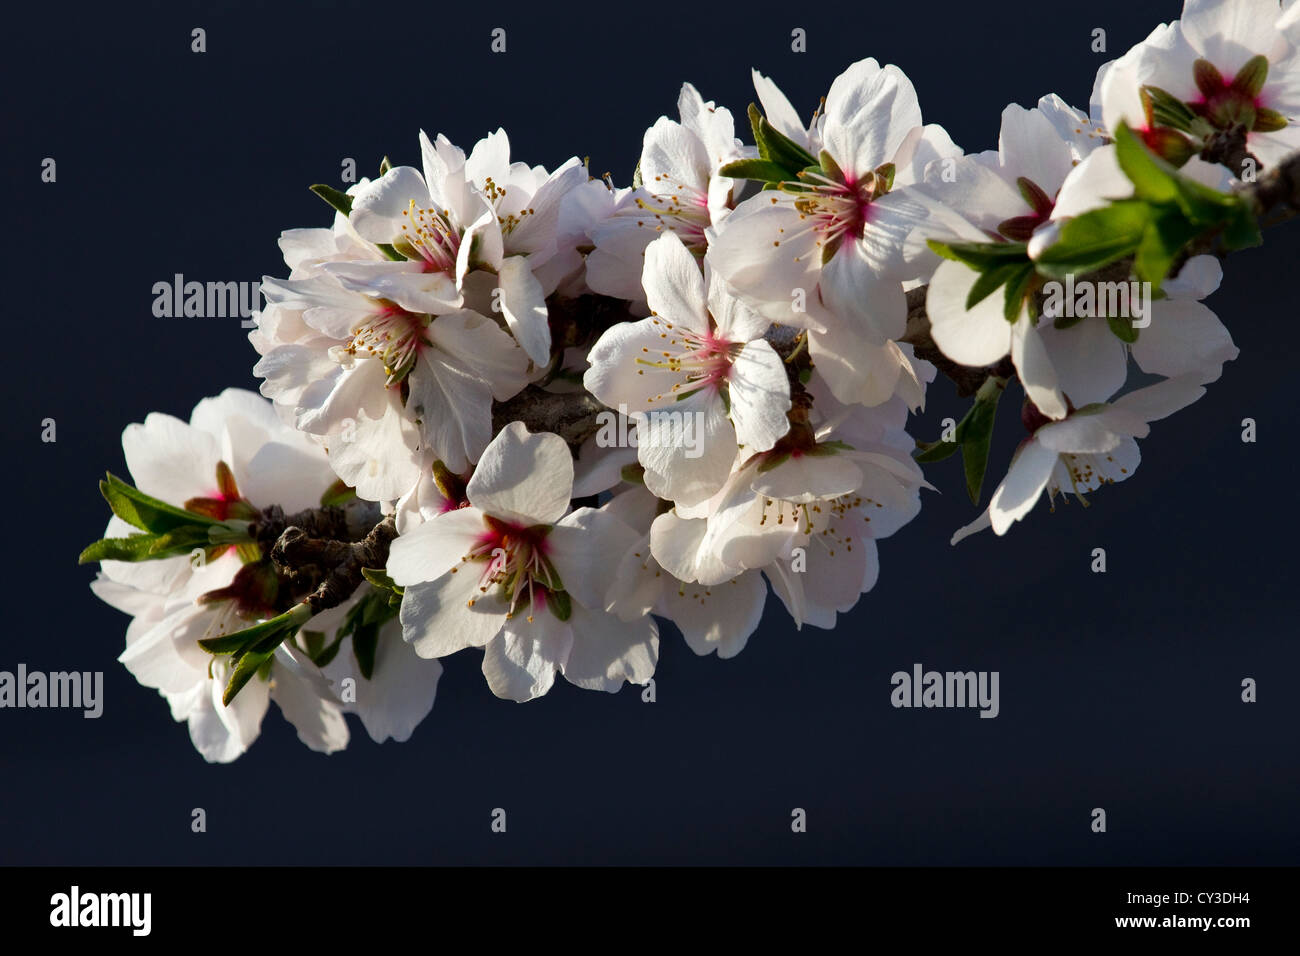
(1037,374)
(979,337)
(437,617)
(1184,337)
(523,477)
(759,389)
(520,663)
(431,549)
(318,720)
(869,111)
(523,304)
(606,651)
(1022,486)
(718,618)
(585,547)
(674,284)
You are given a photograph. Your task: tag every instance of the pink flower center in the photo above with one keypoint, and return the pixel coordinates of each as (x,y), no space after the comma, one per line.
(514,560)
(703,360)
(428,236)
(393,335)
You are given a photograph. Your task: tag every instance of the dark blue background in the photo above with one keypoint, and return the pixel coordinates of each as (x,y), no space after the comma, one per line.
(1119,690)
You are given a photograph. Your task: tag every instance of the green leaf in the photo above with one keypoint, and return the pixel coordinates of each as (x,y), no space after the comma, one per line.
(975,432)
(380,579)
(762,170)
(1241,230)
(776,147)
(261,636)
(146,547)
(337,494)
(328,653)
(1153,178)
(1096,239)
(936,451)
(988,282)
(248,665)
(313,642)
(384,166)
(981,256)
(145,512)
(1017,288)
(364,642)
(339,201)
(1122,329)
(1165,236)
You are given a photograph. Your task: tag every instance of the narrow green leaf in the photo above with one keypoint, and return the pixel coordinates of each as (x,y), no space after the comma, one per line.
(981,256)
(1153,178)
(935,451)
(1096,239)
(975,432)
(365,641)
(776,147)
(339,201)
(380,579)
(146,512)
(990,281)
(761,170)
(248,665)
(1122,329)
(1018,286)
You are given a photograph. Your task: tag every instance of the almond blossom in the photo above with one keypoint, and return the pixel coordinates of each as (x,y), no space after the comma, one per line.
(512,573)
(830,253)
(681,191)
(699,363)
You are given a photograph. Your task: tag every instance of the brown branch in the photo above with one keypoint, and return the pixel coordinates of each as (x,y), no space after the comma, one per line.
(340,583)
(571,415)
(1277,189)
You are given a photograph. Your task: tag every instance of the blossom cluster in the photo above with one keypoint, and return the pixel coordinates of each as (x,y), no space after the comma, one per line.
(745,317)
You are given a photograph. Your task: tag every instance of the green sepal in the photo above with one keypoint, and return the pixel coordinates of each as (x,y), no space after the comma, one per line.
(1165,109)
(1250,78)
(1018,287)
(365,641)
(560,604)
